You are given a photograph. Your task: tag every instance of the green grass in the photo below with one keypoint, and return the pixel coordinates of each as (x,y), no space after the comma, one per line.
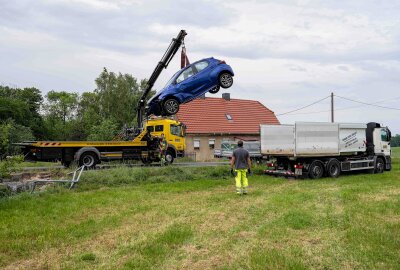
(190,218)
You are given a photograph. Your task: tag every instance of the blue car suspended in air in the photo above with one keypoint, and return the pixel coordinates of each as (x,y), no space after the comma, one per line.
(203,76)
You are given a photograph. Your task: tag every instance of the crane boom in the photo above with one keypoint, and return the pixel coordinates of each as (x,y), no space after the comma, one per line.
(165,60)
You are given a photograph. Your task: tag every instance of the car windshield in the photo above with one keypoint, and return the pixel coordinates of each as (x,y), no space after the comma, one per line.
(171,80)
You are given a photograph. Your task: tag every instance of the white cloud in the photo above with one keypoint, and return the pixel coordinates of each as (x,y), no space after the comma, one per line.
(284,53)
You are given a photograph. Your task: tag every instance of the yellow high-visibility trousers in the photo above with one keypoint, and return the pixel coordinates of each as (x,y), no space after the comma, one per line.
(241,181)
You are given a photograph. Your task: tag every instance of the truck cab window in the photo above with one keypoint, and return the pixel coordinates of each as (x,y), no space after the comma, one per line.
(159,128)
(176,130)
(150,129)
(384,135)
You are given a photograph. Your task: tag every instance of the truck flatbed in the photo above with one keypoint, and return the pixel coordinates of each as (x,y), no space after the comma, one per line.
(62,144)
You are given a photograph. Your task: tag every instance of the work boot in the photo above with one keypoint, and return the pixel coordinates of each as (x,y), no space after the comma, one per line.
(238,191)
(244,191)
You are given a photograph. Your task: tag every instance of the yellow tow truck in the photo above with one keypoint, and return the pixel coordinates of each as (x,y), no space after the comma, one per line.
(144,147)
(144,144)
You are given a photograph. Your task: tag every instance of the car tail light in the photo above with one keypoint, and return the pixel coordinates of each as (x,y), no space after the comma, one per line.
(298,166)
(270,164)
(222,62)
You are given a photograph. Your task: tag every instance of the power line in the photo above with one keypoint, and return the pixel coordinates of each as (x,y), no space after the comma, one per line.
(322,99)
(346,108)
(369,104)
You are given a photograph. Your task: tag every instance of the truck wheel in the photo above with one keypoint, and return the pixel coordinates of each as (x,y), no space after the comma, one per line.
(169,157)
(225,80)
(316,169)
(89,159)
(333,168)
(380,165)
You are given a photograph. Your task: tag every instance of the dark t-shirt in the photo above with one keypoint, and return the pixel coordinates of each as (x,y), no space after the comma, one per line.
(241,155)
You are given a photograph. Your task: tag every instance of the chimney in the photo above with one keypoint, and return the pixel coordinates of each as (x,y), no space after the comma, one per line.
(226,96)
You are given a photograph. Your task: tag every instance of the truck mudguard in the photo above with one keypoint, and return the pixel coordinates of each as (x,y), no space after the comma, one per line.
(86,149)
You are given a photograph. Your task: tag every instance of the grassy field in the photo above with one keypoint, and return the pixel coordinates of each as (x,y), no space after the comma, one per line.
(190,218)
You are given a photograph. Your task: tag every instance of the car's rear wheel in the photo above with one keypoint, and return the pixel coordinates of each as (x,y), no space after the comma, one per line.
(215,89)
(225,80)
(171,106)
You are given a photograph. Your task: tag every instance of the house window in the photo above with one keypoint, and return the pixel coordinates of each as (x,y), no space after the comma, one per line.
(211,143)
(196,144)
(160,128)
(229,117)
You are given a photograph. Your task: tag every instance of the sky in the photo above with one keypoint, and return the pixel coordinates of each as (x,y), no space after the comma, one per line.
(285,54)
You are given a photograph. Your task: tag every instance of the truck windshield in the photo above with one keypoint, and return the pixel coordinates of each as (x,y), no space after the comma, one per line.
(176,130)
(385,135)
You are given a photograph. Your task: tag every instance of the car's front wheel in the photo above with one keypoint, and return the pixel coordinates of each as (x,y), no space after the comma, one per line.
(214,90)
(171,106)
(225,80)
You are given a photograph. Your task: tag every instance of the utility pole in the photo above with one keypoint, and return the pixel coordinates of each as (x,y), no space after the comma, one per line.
(332,109)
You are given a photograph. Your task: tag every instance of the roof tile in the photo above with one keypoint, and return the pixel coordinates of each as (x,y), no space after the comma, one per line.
(209,116)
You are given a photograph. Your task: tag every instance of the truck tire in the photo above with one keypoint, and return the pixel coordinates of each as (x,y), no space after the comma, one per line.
(379,165)
(316,169)
(169,157)
(88,159)
(333,168)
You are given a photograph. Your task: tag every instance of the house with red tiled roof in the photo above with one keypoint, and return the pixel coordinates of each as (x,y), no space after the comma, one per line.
(211,121)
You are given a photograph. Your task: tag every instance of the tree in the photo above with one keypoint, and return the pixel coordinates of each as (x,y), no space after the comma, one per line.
(105,131)
(118,96)
(60,108)
(395,141)
(11,132)
(23,106)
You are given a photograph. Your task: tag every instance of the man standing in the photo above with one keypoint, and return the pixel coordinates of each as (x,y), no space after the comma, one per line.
(240,165)
(163,149)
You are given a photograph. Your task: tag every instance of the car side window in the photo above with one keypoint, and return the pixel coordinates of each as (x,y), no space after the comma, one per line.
(201,65)
(187,73)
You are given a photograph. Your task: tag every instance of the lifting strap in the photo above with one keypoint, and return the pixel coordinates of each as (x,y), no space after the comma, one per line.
(184,59)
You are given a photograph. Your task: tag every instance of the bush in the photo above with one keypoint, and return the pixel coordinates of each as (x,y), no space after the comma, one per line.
(8,165)
(10,132)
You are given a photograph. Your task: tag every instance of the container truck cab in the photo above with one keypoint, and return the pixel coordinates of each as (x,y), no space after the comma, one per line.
(318,149)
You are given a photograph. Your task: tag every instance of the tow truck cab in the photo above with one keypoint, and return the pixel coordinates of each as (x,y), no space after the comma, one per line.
(174,133)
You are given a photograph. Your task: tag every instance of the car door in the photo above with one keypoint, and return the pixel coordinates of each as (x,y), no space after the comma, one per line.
(203,82)
(184,83)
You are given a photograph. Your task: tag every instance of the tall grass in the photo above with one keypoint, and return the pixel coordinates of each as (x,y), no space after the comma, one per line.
(191,218)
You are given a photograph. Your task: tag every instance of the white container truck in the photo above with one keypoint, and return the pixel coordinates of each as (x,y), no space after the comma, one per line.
(318,149)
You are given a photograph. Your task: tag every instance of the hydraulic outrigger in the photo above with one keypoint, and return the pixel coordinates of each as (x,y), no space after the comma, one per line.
(163,64)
